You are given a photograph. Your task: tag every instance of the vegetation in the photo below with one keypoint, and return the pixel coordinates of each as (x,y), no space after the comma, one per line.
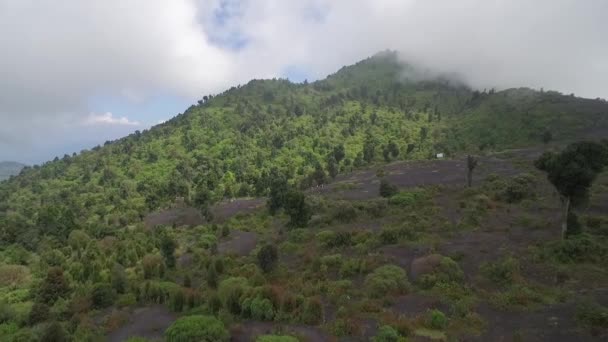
(222,219)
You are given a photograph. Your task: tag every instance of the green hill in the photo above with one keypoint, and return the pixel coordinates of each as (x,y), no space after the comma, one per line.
(8,169)
(234,143)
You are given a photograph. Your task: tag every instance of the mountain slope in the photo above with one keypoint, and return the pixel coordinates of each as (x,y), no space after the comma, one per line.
(233,144)
(8,168)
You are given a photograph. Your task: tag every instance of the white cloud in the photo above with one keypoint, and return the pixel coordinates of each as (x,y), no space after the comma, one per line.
(109,119)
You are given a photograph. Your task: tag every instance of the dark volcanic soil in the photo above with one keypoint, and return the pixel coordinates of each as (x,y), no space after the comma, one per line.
(149,322)
(361,185)
(238,243)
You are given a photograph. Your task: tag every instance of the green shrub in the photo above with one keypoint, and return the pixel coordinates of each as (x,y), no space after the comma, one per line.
(197,328)
(331,239)
(386,279)
(312,312)
(579,249)
(343,211)
(54,332)
(515,189)
(406,198)
(103,295)
(447,271)
(592,315)
(332,260)
(230,292)
(276,338)
(262,309)
(386,333)
(127,299)
(40,312)
(436,319)
(267,257)
(387,189)
(137,339)
(503,272)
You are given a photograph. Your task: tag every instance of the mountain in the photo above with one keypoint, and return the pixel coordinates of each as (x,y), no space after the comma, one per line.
(8,168)
(233,144)
(134,238)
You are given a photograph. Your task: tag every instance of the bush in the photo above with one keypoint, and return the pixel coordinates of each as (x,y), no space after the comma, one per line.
(230,292)
(312,313)
(331,239)
(54,333)
(406,198)
(447,271)
(267,258)
(197,328)
(592,315)
(436,320)
(503,272)
(579,249)
(127,299)
(386,333)
(343,211)
(262,309)
(517,188)
(387,189)
(276,338)
(386,279)
(40,312)
(102,295)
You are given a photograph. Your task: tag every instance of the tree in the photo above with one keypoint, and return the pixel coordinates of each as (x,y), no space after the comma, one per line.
(40,312)
(102,295)
(298,210)
(332,167)
(119,278)
(339,153)
(54,286)
(54,332)
(167,248)
(386,188)
(211,276)
(572,172)
(267,257)
(278,193)
(197,328)
(369,150)
(471,165)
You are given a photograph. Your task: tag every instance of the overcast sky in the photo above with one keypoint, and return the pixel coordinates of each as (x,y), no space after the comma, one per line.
(75,73)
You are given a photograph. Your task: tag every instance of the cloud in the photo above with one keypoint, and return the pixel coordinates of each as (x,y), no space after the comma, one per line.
(58,54)
(109,119)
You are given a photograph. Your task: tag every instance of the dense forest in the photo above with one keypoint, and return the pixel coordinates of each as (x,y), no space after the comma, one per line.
(76,256)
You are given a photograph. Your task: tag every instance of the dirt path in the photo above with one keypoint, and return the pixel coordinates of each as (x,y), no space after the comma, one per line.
(248,331)
(239,243)
(148,322)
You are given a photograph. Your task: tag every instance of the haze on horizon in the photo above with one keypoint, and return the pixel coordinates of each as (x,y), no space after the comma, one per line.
(74,74)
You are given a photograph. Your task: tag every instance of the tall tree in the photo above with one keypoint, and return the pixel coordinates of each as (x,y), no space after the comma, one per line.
(572,172)
(471,165)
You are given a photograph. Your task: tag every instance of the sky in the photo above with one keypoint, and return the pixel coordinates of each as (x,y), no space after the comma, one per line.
(75,73)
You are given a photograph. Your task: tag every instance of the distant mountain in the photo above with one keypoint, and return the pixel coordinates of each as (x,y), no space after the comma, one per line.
(9,168)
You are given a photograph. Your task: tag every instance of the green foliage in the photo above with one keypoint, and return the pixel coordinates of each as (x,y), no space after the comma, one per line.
(230,291)
(436,319)
(261,309)
(40,312)
(54,286)
(583,248)
(276,338)
(447,271)
(167,247)
(592,315)
(503,272)
(54,332)
(298,210)
(103,295)
(197,328)
(386,279)
(267,257)
(386,333)
(387,189)
(406,198)
(574,169)
(312,312)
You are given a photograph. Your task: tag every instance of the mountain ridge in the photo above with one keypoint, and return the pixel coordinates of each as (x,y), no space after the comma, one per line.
(234,143)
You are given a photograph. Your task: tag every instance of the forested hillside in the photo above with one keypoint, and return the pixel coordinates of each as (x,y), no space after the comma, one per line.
(233,144)
(466,248)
